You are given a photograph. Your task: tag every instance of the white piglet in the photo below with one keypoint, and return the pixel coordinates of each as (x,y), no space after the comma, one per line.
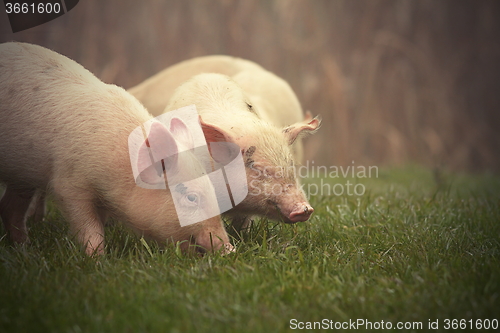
(228,116)
(62,130)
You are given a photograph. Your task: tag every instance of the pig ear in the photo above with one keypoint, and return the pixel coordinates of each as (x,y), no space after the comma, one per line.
(159,145)
(214,133)
(181,133)
(221,153)
(308,126)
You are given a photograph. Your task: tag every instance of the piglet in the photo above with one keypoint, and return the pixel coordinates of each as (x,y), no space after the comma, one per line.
(66,132)
(228,116)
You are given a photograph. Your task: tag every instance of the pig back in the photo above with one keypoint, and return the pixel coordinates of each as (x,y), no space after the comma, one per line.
(56,115)
(156,91)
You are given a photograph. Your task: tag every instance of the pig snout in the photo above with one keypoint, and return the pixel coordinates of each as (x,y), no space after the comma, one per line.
(300,212)
(228,248)
(224,249)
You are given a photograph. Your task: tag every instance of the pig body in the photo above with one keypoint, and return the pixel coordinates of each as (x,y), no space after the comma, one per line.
(272,97)
(228,115)
(66,132)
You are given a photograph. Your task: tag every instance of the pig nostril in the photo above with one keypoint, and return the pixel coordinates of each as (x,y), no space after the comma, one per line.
(308,210)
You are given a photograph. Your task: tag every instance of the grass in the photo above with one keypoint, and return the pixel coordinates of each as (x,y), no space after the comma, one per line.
(410,249)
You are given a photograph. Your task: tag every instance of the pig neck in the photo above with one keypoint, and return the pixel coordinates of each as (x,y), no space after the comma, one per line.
(129,202)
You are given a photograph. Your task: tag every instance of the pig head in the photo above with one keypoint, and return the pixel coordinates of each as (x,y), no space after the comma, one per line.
(273,187)
(167,152)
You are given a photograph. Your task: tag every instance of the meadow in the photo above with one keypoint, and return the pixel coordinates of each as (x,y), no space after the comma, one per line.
(417,246)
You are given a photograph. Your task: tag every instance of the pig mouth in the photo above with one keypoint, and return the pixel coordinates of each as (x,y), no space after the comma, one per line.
(287,220)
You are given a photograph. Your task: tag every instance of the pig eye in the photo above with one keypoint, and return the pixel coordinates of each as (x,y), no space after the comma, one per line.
(193,198)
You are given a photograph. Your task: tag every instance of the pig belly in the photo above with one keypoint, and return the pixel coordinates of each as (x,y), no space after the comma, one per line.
(24,163)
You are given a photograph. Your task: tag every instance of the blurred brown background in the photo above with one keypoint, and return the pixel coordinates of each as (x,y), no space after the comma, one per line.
(396,81)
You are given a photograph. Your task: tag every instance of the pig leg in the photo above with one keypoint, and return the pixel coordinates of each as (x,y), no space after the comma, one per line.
(86,224)
(36,209)
(85,219)
(13,207)
(240,223)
